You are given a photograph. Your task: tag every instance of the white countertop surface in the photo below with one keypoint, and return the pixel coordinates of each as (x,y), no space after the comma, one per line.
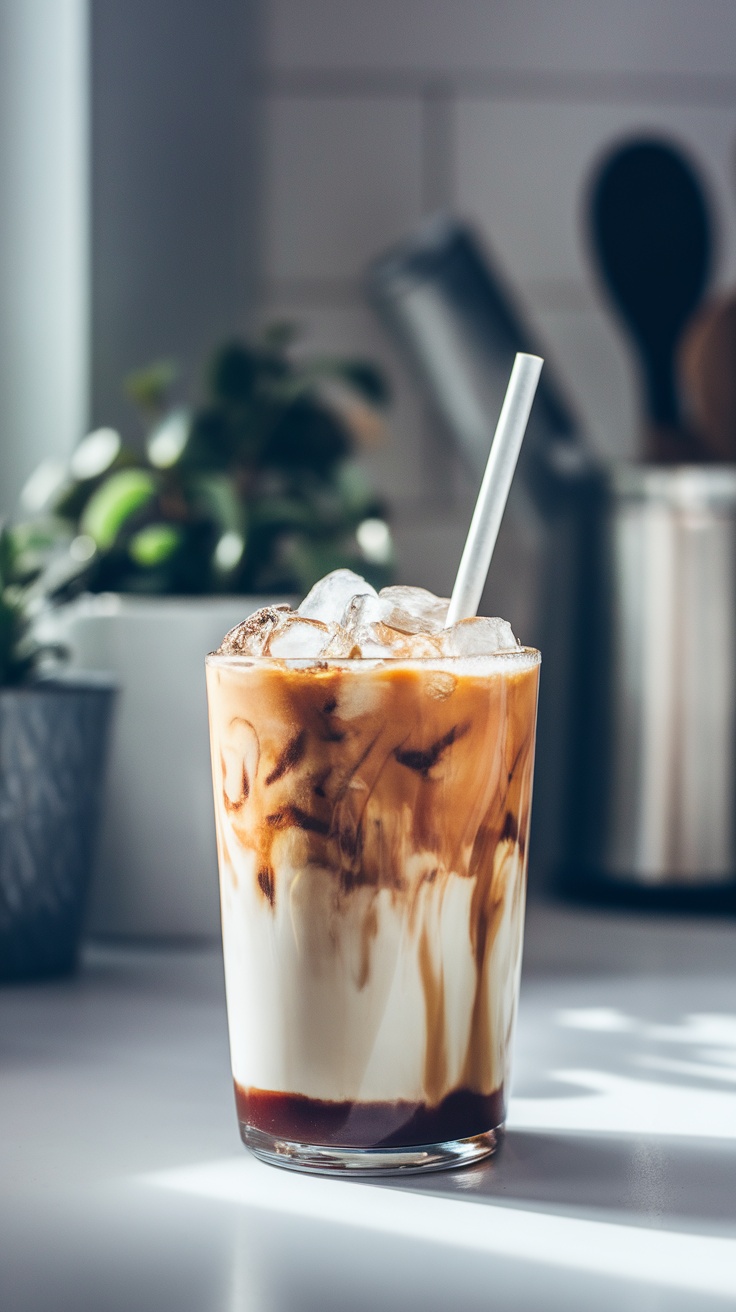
(123,1184)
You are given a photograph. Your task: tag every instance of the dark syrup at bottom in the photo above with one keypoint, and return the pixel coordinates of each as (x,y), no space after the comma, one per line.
(369,1124)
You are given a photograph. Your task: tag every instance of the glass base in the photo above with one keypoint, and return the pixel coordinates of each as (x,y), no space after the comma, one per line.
(370,1161)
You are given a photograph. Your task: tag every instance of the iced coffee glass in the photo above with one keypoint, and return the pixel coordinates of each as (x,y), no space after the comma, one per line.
(372,826)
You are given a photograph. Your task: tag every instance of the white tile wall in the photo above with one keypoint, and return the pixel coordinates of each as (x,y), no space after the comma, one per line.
(451,36)
(523,171)
(592,357)
(497,109)
(343,179)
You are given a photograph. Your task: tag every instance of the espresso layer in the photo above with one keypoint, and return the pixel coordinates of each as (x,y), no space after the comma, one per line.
(399,1124)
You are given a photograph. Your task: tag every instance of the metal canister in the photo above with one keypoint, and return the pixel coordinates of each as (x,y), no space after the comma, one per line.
(651,797)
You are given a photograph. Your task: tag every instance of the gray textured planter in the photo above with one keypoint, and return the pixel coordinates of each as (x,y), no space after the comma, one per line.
(53,739)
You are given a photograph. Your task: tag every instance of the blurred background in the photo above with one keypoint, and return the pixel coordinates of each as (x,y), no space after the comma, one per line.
(176,174)
(179,174)
(173,172)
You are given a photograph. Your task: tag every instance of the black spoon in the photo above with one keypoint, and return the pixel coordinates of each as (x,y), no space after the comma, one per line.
(651,234)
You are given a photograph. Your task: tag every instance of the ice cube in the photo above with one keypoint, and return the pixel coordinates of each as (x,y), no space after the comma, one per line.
(339,644)
(382,629)
(415,646)
(280,632)
(480,636)
(364,609)
(364,621)
(250,637)
(297,637)
(329,598)
(382,643)
(421,611)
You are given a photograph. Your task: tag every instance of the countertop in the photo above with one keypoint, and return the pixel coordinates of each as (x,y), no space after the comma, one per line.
(123,1184)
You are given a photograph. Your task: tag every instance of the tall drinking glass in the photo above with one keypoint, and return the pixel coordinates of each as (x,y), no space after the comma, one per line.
(372,830)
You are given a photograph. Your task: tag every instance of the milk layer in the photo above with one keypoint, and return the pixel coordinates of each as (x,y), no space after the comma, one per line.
(372,824)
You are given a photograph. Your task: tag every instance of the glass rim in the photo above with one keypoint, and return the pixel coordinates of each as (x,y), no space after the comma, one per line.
(522,657)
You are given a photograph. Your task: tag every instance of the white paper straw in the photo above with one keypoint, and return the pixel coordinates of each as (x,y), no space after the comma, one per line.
(494,489)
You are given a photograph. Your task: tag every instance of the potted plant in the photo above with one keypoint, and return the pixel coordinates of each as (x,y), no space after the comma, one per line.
(53,737)
(247,496)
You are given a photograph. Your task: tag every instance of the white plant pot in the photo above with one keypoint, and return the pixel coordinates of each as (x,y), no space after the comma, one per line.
(156,872)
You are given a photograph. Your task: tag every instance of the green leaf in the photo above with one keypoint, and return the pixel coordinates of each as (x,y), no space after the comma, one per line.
(213,439)
(32,543)
(374,539)
(45,486)
(282,390)
(308,436)
(232,373)
(95,454)
(215,497)
(283,512)
(7,554)
(148,388)
(354,488)
(114,502)
(155,544)
(13,632)
(228,554)
(167,442)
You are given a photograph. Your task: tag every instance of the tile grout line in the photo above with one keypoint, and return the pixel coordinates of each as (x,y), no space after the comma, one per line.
(559,295)
(574,87)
